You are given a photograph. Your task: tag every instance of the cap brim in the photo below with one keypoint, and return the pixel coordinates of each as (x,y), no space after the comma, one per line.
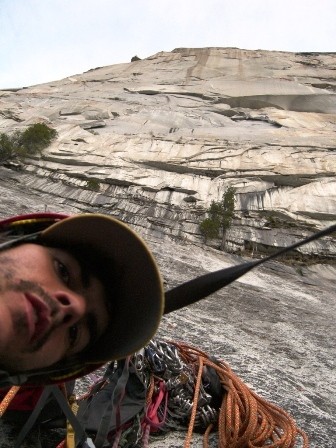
(139,304)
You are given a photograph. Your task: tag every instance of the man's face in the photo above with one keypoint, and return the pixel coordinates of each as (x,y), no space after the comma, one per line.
(48,309)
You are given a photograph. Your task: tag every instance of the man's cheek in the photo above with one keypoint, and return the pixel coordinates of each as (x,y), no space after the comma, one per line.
(52,351)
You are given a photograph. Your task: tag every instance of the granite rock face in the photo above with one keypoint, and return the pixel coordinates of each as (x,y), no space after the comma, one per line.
(161,138)
(164,136)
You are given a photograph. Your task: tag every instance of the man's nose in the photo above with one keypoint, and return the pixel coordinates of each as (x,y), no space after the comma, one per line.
(71,307)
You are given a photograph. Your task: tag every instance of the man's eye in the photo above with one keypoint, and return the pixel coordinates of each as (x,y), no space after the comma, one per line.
(63,272)
(73,334)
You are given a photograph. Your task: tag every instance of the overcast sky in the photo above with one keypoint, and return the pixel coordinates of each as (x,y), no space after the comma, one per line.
(45,40)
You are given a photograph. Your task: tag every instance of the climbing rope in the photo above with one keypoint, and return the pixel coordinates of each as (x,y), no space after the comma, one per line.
(245,419)
(8,398)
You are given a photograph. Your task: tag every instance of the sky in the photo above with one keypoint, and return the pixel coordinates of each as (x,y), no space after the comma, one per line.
(47,40)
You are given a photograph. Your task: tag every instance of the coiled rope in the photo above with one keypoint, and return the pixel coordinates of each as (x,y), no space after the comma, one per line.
(246,420)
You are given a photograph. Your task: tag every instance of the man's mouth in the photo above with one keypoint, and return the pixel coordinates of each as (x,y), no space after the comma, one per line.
(38,317)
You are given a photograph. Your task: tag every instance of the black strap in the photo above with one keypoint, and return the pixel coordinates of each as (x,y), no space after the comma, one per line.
(200,287)
(64,405)
(23,239)
(33,417)
(114,403)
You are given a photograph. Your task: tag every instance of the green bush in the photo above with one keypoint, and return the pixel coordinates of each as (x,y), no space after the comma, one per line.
(209,228)
(6,148)
(35,138)
(26,143)
(220,217)
(93,184)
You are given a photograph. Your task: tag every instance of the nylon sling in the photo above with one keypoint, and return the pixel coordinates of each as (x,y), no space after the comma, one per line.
(64,405)
(200,287)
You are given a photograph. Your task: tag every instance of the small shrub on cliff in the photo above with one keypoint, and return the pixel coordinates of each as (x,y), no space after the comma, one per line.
(6,148)
(93,184)
(25,143)
(209,229)
(220,217)
(35,138)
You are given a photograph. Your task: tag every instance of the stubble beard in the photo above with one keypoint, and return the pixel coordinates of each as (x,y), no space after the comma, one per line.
(9,282)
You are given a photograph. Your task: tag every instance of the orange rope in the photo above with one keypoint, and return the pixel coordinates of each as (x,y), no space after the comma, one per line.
(245,420)
(8,398)
(194,408)
(206,436)
(150,391)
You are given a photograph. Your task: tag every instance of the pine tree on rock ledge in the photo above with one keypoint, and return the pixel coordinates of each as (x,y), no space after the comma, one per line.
(220,217)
